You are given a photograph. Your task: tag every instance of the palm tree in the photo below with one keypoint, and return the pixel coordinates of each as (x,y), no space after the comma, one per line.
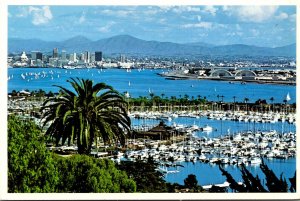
(92,112)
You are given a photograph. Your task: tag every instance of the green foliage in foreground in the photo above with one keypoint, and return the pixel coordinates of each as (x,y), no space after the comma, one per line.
(32,168)
(147,178)
(253,184)
(191,182)
(84,174)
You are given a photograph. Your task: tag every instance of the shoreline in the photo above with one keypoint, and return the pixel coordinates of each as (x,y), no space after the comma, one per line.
(242,81)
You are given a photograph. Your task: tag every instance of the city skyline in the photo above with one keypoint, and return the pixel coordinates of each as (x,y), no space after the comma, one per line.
(270,26)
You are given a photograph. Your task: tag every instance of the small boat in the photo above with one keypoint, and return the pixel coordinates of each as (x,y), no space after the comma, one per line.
(207,128)
(255,160)
(288,98)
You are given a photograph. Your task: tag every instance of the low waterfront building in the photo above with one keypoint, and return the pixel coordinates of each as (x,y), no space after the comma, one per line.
(159,132)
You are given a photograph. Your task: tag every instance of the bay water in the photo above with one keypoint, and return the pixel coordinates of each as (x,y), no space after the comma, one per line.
(141,82)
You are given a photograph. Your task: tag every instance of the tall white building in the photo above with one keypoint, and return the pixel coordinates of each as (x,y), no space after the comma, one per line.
(24,57)
(73,57)
(92,57)
(87,56)
(63,55)
(33,55)
(82,57)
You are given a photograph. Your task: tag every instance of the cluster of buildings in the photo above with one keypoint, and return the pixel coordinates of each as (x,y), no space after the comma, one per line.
(91,59)
(57,59)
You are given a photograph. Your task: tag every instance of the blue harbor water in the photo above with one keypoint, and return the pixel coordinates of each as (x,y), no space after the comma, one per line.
(210,174)
(141,82)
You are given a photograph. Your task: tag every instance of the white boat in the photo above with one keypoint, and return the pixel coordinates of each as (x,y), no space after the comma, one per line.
(69,67)
(202,157)
(224,160)
(288,98)
(255,160)
(207,128)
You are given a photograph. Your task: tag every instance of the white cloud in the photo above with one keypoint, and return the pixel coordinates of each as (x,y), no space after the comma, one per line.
(211,10)
(205,25)
(40,15)
(165,8)
(282,16)
(106,28)
(124,13)
(252,13)
(22,12)
(181,9)
(82,18)
(8,14)
(118,13)
(224,8)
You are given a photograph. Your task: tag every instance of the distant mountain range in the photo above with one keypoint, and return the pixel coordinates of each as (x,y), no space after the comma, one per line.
(125,44)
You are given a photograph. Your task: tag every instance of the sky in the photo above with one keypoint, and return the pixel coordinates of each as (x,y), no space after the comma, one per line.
(268,26)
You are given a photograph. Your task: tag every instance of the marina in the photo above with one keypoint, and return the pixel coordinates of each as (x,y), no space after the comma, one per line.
(208,137)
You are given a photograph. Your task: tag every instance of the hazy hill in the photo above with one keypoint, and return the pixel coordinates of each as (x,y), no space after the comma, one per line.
(126,44)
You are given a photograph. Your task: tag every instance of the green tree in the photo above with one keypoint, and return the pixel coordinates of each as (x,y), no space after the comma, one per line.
(145,174)
(31,168)
(84,174)
(191,182)
(92,111)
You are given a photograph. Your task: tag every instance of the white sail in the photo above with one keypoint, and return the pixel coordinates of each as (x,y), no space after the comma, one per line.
(288,98)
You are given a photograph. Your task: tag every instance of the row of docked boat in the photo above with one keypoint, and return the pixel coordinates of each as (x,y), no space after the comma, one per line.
(259,117)
(247,147)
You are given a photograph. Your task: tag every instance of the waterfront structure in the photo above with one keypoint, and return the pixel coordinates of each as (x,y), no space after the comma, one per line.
(55,53)
(98,56)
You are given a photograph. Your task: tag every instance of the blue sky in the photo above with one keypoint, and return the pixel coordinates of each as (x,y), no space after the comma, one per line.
(270,26)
